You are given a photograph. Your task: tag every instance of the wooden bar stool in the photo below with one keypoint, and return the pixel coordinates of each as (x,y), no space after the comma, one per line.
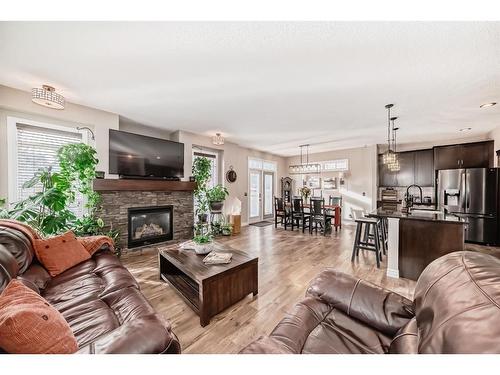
(370,224)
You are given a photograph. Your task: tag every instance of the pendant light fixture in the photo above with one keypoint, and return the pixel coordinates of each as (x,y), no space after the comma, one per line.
(47,97)
(304,167)
(394,166)
(389,156)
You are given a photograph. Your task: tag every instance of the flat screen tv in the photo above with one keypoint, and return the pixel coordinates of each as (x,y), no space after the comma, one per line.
(137,156)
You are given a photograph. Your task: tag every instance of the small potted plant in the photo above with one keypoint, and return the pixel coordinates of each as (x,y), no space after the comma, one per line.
(216,197)
(227,229)
(203,239)
(203,244)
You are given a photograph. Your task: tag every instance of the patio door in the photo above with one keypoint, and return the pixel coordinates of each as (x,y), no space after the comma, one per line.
(268,188)
(255,188)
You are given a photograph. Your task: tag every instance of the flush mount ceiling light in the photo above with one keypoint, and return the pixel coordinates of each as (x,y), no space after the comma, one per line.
(485,105)
(48,97)
(218,139)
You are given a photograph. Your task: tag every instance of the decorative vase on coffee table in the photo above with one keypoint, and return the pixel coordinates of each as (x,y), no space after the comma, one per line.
(203,248)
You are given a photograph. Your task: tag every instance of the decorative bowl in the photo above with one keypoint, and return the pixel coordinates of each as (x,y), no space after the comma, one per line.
(203,248)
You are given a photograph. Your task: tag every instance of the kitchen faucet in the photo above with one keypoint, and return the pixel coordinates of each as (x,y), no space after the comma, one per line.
(408,198)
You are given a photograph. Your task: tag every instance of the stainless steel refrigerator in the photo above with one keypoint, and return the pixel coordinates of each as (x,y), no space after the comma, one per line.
(472,194)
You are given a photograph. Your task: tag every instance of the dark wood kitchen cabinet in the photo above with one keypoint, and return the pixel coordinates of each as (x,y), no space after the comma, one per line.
(406,173)
(467,155)
(424,167)
(416,167)
(386,178)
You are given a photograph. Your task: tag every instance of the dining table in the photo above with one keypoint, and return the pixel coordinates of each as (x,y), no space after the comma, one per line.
(333,210)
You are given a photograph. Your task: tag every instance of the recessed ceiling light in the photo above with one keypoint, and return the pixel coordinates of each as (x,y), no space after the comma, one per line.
(487,105)
(465,129)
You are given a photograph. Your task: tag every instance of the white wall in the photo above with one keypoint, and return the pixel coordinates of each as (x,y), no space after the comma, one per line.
(231,155)
(17,103)
(360,189)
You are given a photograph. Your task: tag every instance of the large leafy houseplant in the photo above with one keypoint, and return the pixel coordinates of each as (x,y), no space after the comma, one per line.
(201,173)
(48,210)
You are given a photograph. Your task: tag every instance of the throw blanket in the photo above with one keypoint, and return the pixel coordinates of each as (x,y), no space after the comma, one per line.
(91,243)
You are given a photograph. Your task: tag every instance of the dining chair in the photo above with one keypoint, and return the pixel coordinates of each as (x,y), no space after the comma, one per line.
(280,211)
(335,201)
(319,215)
(298,215)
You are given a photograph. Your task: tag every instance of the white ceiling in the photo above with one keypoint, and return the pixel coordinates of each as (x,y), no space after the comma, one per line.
(266,85)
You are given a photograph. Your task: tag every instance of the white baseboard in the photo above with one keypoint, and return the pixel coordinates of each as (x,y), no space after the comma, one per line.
(393,273)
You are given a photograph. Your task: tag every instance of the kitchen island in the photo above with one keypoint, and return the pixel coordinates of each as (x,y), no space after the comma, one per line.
(416,238)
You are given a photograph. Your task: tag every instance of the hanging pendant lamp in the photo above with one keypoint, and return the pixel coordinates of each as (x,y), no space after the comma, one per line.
(389,156)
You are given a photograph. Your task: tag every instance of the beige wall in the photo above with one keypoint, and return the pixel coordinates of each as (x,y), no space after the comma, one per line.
(137,128)
(360,189)
(231,155)
(495,135)
(17,103)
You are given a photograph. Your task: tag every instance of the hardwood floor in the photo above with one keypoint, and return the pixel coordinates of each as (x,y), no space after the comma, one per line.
(287,262)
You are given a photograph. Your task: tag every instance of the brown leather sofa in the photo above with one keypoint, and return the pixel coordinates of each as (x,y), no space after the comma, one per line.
(456,310)
(99,298)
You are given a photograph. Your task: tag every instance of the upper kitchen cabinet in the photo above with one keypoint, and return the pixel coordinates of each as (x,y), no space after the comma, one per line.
(468,155)
(416,167)
(386,178)
(406,173)
(424,167)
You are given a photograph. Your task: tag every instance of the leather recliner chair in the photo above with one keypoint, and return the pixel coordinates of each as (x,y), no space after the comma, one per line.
(456,310)
(99,299)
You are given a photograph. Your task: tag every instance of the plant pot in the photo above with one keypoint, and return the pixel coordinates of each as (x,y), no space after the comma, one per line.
(203,248)
(226,232)
(216,206)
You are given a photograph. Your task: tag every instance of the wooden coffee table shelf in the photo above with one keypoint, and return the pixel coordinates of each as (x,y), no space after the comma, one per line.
(209,289)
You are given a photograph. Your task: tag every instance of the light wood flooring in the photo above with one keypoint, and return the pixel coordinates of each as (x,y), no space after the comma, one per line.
(287,262)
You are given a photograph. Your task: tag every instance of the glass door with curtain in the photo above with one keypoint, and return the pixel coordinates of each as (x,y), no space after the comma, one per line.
(268,189)
(255,188)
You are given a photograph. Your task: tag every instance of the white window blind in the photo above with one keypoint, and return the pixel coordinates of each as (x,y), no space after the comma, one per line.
(37,148)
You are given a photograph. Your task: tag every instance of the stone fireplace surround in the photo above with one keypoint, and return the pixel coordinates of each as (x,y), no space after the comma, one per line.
(120,195)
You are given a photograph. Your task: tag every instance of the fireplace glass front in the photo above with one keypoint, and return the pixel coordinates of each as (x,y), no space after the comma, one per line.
(148,225)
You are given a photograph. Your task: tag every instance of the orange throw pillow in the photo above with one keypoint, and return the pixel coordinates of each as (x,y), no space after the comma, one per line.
(59,253)
(29,325)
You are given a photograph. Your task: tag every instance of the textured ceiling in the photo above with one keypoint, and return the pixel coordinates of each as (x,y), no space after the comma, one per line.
(267,85)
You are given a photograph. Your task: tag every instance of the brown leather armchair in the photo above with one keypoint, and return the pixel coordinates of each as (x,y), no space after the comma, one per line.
(456,310)
(99,299)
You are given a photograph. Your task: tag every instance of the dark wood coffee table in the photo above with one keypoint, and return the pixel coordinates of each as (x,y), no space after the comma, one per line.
(207,288)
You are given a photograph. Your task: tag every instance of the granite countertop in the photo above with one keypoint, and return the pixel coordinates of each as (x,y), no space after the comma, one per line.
(416,215)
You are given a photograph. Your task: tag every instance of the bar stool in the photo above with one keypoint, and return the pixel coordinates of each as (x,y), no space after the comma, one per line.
(365,244)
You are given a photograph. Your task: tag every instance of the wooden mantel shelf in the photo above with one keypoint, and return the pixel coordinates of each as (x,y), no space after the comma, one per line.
(142,185)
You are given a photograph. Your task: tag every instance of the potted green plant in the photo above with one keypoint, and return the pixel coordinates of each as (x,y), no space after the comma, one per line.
(227,229)
(201,173)
(203,239)
(216,197)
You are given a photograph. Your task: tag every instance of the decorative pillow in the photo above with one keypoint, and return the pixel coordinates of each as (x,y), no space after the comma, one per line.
(59,253)
(29,325)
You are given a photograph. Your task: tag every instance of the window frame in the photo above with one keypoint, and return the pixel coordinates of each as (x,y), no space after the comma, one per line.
(12,149)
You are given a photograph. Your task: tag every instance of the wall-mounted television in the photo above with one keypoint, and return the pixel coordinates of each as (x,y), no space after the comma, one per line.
(138,156)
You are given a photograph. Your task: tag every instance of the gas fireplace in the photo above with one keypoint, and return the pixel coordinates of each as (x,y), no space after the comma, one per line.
(148,225)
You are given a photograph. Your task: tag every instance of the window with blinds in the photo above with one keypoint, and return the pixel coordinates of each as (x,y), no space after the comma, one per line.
(37,148)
